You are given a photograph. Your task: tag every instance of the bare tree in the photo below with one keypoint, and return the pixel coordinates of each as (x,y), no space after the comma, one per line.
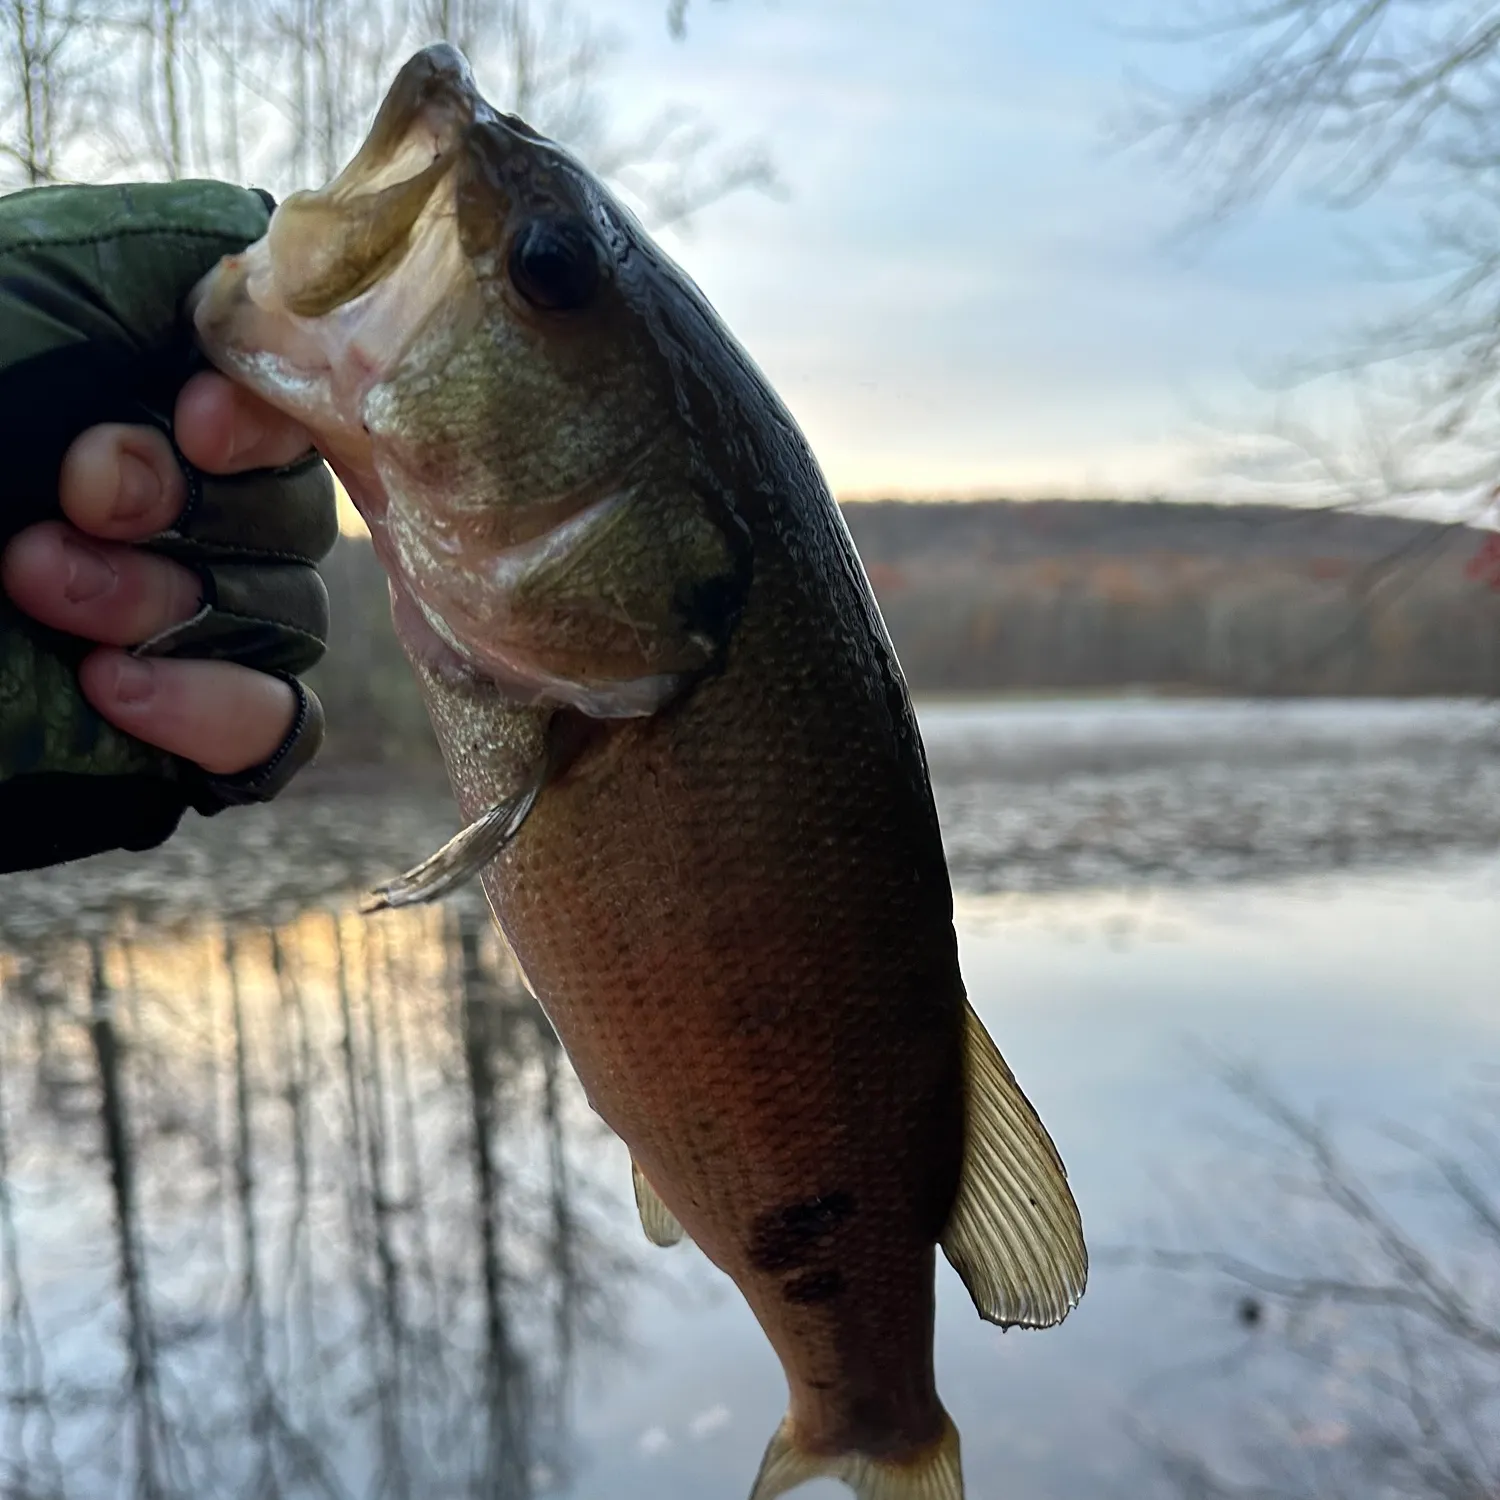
(549,64)
(326,63)
(43,80)
(677,11)
(163,86)
(1348,101)
(461,22)
(284,92)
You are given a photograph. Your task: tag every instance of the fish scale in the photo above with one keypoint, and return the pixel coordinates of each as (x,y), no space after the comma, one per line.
(692,780)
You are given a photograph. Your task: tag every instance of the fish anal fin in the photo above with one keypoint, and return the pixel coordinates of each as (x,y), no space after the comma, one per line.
(657,1219)
(933,1474)
(1015,1235)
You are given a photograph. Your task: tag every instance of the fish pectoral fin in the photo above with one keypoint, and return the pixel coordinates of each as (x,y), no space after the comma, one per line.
(463,856)
(659,1222)
(1015,1235)
(933,1474)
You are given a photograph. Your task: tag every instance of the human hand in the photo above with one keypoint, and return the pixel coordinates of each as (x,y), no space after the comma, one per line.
(208,597)
(121,484)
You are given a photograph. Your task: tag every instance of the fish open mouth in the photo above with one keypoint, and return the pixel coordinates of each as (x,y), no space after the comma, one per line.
(346,275)
(438,158)
(328,246)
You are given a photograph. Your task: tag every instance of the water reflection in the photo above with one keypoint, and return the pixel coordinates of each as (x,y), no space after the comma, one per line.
(295,1202)
(299,1209)
(1369,1309)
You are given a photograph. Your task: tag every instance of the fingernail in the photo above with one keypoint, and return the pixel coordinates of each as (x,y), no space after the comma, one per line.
(139,491)
(248,432)
(89,572)
(134,680)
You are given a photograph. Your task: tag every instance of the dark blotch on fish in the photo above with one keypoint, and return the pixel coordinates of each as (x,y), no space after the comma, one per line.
(812,1287)
(782,1239)
(710,606)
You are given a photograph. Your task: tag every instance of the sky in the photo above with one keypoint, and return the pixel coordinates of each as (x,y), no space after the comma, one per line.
(968,287)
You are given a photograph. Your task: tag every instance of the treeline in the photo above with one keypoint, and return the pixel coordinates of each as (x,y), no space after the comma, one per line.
(1233,599)
(278,94)
(1000,596)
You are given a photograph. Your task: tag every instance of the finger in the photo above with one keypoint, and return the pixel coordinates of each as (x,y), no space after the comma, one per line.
(101,591)
(224,717)
(224,429)
(121,483)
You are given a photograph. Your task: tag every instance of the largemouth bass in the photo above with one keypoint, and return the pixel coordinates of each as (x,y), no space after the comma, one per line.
(683,745)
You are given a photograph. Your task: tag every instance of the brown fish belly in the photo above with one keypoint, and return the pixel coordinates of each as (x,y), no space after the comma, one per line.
(737,915)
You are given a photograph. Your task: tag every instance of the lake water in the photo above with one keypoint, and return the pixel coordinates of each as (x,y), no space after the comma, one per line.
(302,1203)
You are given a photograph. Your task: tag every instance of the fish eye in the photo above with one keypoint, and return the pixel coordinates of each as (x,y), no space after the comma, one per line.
(554,264)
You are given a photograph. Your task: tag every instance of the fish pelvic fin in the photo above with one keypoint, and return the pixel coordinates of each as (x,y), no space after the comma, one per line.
(1015,1234)
(933,1474)
(659,1222)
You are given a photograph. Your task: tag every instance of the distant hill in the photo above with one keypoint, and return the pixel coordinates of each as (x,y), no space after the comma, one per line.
(1019,531)
(989,596)
(1240,599)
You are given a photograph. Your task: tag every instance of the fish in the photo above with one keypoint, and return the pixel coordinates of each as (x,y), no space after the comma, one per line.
(689,771)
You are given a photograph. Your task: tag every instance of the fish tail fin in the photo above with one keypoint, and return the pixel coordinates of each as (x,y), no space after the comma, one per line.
(933,1474)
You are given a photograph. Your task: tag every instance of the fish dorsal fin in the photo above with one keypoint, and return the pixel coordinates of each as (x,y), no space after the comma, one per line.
(1015,1235)
(657,1219)
(935,1474)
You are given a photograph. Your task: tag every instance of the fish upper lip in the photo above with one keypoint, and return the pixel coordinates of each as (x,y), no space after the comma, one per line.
(434,93)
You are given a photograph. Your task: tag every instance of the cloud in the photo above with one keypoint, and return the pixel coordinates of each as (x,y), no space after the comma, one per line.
(966,289)
(653,1442)
(708,1422)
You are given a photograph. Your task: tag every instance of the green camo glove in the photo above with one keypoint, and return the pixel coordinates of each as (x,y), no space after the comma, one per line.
(92,281)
